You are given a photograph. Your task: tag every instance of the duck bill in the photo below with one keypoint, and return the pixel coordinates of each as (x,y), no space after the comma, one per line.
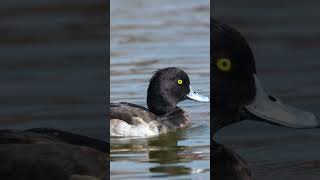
(270,109)
(197,97)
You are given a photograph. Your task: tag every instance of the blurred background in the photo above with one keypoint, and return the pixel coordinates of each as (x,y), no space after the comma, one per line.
(146,36)
(53,65)
(285,38)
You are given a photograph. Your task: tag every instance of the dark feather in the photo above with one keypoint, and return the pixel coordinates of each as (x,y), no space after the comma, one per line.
(50,154)
(173,120)
(228,165)
(125,111)
(72,138)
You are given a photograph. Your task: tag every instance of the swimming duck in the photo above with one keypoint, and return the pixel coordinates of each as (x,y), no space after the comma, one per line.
(51,154)
(238,95)
(167,88)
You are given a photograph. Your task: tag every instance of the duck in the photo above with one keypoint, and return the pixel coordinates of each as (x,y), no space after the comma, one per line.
(167,87)
(238,95)
(45,153)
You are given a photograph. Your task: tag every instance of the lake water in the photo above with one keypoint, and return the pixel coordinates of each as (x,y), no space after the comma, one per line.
(285,40)
(146,36)
(52,72)
(53,75)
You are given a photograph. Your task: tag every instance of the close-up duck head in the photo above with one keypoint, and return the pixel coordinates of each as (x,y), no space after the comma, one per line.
(237,91)
(167,88)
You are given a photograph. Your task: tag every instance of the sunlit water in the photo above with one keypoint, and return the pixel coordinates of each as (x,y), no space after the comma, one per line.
(146,36)
(285,41)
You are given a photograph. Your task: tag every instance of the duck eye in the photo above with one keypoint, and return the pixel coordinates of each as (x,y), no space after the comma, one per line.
(224,64)
(180,81)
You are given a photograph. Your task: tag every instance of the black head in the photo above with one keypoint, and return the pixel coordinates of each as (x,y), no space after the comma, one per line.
(237,92)
(232,69)
(167,88)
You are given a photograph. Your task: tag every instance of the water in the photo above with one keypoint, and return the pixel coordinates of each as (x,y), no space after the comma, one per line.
(53,66)
(146,36)
(285,41)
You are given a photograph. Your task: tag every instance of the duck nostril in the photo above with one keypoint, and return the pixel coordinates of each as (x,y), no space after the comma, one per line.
(272,98)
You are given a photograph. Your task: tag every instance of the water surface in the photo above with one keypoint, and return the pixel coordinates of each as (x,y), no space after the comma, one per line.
(146,36)
(52,71)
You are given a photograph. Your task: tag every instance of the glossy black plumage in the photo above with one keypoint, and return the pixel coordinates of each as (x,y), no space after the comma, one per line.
(234,89)
(228,165)
(51,154)
(238,95)
(177,118)
(125,111)
(231,92)
(163,95)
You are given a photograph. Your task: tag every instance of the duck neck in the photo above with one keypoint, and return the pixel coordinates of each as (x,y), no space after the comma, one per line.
(216,126)
(224,117)
(158,104)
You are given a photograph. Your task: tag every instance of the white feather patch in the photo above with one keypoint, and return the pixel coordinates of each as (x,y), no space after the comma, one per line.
(139,128)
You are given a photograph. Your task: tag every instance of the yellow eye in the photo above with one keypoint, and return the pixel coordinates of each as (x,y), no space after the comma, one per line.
(224,64)
(180,81)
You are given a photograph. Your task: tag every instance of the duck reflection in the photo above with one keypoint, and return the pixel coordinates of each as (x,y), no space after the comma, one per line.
(164,151)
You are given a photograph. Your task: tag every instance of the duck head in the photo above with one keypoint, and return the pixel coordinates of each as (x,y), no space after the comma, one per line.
(167,88)
(237,91)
